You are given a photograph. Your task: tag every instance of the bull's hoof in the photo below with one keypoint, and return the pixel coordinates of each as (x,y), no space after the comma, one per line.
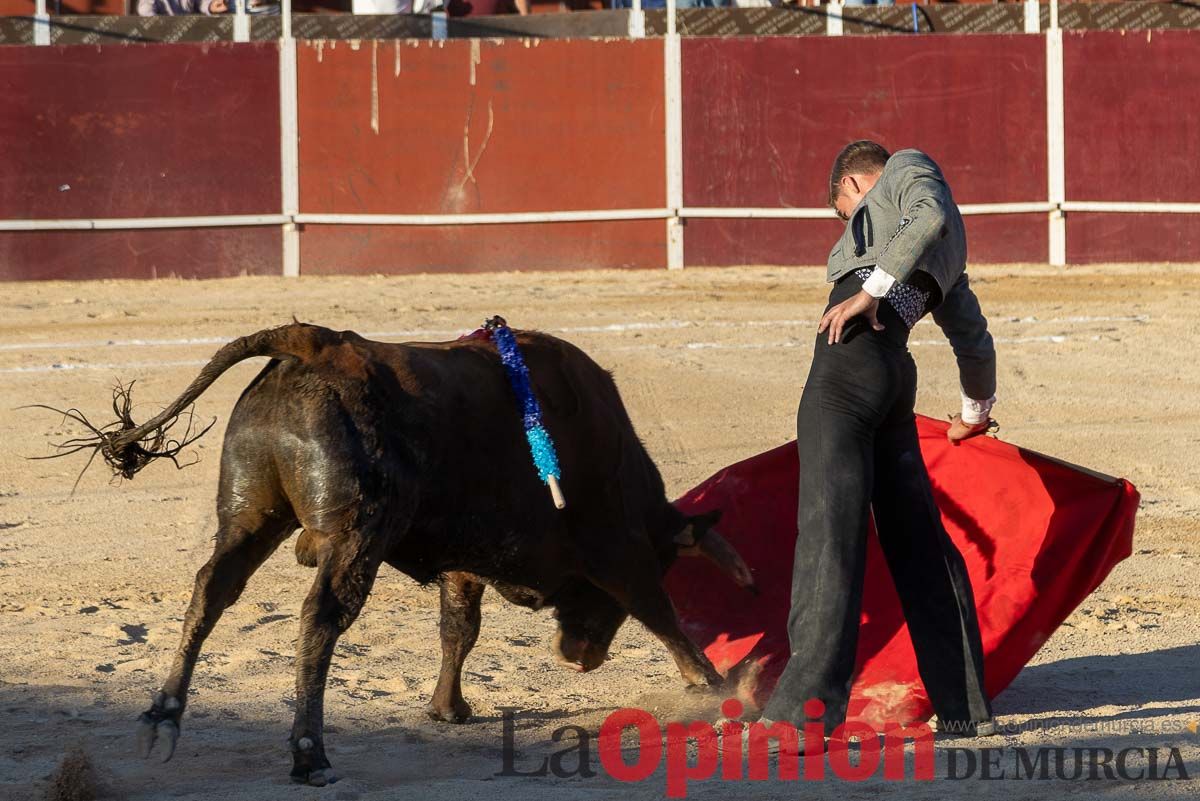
(709,681)
(449,713)
(314,778)
(701,689)
(578,667)
(309,765)
(161,720)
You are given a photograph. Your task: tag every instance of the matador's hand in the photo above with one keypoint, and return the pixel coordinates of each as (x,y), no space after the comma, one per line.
(836,318)
(959,430)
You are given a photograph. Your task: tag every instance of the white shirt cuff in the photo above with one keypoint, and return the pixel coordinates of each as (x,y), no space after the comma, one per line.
(975,412)
(878,283)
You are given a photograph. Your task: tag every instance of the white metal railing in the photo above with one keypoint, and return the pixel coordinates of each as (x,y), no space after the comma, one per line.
(1155,207)
(492,218)
(584,215)
(127,224)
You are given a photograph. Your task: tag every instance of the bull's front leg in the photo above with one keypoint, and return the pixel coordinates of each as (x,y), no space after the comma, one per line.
(636,586)
(345,574)
(459,627)
(653,610)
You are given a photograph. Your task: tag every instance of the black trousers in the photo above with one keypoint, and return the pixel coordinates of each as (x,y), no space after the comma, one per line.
(859,452)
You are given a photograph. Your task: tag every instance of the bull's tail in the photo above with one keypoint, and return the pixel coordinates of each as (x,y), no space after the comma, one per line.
(127,447)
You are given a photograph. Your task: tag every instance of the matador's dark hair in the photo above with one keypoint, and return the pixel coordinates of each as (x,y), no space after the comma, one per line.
(863,157)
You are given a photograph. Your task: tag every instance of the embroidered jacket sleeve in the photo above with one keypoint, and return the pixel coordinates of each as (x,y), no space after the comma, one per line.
(915,185)
(963,323)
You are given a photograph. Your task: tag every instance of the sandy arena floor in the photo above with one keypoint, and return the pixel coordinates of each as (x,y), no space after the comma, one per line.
(1097,366)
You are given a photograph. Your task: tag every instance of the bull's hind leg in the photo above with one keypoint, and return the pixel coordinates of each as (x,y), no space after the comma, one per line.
(635,583)
(459,627)
(346,570)
(243,544)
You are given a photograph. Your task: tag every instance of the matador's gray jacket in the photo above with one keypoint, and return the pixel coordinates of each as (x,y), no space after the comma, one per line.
(909,221)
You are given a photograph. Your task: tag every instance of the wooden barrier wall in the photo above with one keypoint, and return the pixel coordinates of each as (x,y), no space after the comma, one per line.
(473,126)
(763,120)
(1132,109)
(464,126)
(139,131)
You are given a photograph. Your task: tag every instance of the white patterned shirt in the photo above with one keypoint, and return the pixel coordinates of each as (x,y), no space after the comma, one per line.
(911,304)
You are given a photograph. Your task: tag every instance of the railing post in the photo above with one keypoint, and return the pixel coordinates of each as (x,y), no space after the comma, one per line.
(1056,145)
(241,22)
(637,21)
(289,143)
(41,24)
(833,18)
(673,106)
(1033,16)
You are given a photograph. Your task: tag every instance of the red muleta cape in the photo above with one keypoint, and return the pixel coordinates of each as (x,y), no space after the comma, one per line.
(1038,535)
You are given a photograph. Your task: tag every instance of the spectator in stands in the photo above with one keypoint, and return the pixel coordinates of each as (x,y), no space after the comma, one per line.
(171,8)
(477,8)
(678,4)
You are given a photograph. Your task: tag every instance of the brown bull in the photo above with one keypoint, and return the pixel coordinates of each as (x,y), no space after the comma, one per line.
(413,455)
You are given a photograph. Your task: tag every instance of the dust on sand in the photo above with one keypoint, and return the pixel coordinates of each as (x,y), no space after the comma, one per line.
(1097,366)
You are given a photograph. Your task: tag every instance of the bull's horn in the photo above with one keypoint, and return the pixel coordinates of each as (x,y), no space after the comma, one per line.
(717,550)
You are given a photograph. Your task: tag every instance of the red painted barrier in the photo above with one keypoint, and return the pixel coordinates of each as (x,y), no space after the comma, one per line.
(764,118)
(481,126)
(368,249)
(1094,238)
(506,126)
(1132,134)
(161,253)
(138,131)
